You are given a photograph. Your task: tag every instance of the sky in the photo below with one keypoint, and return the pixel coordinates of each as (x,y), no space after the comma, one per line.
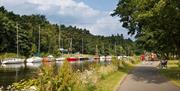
(93,15)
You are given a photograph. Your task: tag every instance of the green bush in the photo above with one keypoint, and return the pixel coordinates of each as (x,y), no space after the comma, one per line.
(48,80)
(68,79)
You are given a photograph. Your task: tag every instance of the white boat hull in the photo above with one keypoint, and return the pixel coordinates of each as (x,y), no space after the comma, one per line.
(60,59)
(34,60)
(51,58)
(13,61)
(108,58)
(102,58)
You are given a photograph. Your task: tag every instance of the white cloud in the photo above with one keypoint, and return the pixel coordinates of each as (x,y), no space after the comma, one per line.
(105,25)
(69,12)
(66,7)
(62,7)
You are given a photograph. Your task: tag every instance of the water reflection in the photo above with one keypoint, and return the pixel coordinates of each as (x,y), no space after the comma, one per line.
(10,73)
(33,65)
(12,66)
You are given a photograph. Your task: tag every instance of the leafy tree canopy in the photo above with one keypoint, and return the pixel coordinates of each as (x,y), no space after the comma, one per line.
(155,23)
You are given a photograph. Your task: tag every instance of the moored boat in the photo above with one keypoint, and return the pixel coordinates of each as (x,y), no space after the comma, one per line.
(102,58)
(96,58)
(34,60)
(108,58)
(60,59)
(13,61)
(91,59)
(49,58)
(83,58)
(72,59)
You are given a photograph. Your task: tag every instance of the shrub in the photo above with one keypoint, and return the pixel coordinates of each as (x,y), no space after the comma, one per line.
(48,80)
(66,78)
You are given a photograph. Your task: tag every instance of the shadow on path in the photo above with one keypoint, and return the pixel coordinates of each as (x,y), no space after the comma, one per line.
(147,74)
(146,78)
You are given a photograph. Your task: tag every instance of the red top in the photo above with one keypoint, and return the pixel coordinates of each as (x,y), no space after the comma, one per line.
(142,57)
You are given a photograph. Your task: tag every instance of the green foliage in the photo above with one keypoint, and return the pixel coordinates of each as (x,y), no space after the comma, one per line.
(33,49)
(152,22)
(67,77)
(29,26)
(50,80)
(57,53)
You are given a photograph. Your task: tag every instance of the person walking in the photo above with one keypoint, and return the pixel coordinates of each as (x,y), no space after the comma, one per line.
(142,58)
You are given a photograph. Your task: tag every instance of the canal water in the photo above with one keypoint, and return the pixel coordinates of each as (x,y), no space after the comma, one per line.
(10,73)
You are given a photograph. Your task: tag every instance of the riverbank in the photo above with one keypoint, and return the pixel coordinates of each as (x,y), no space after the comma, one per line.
(95,77)
(172,72)
(112,81)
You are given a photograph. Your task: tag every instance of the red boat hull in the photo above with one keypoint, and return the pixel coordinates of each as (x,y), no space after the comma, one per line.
(72,59)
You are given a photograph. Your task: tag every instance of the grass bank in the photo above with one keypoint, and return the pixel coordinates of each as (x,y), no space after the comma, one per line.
(112,81)
(172,72)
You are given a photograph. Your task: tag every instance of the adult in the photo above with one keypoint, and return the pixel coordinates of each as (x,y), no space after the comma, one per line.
(142,57)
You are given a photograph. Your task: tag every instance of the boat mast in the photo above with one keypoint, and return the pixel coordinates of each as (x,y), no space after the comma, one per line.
(17,41)
(115,48)
(82,46)
(59,37)
(71,46)
(96,51)
(62,47)
(39,40)
(103,52)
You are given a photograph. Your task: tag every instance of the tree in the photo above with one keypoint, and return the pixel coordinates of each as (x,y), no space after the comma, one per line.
(29,26)
(152,21)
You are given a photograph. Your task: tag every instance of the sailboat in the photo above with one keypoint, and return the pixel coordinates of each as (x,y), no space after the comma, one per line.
(14,60)
(60,58)
(36,59)
(71,59)
(82,58)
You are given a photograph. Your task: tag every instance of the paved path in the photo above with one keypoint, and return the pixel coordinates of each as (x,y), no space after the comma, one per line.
(146,78)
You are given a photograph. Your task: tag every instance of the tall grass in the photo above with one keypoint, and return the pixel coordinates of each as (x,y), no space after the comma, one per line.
(68,79)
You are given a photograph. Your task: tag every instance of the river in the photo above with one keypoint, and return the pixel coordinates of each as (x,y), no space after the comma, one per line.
(10,73)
